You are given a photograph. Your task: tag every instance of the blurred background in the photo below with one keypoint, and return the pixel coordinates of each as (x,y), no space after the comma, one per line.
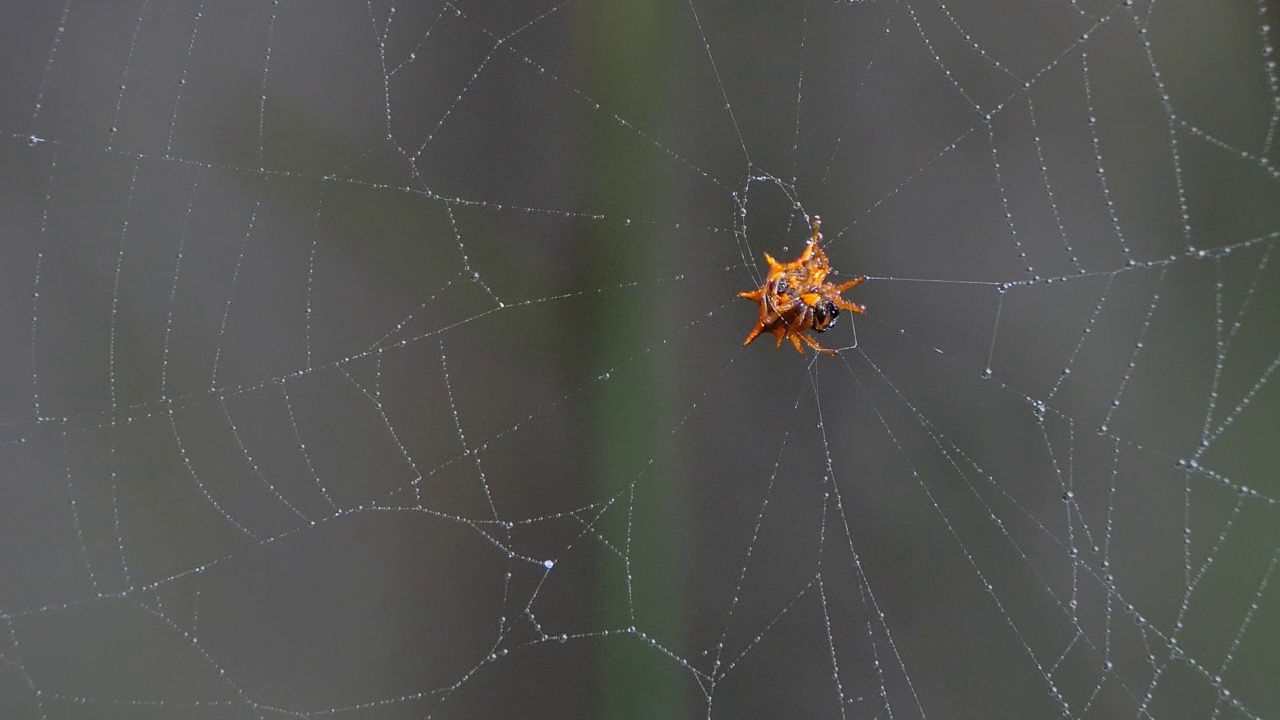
(383,360)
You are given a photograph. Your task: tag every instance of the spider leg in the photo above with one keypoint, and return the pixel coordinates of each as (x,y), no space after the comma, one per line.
(833,293)
(814,344)
(780,332)
(854,282)
(846,305)
(795,340)
(796,325)
(795,329)
(784,307)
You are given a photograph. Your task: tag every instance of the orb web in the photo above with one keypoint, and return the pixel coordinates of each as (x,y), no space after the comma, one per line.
(383,360)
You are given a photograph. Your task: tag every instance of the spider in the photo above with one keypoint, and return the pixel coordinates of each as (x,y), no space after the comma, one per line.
(796,297)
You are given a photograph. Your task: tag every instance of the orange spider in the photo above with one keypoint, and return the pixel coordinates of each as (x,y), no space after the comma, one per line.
(796,297)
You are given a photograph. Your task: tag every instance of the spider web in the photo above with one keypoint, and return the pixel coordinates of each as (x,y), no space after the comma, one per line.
(383,360)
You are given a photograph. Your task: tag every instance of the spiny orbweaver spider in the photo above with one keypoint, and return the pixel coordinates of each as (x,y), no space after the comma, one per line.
(796,297)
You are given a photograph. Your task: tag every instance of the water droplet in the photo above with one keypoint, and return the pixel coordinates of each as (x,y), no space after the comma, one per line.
(548,564)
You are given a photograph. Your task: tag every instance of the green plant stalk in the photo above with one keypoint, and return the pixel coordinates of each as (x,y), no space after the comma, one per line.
(624,55)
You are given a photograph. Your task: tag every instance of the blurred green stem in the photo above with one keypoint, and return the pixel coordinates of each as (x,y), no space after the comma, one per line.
(625,59)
